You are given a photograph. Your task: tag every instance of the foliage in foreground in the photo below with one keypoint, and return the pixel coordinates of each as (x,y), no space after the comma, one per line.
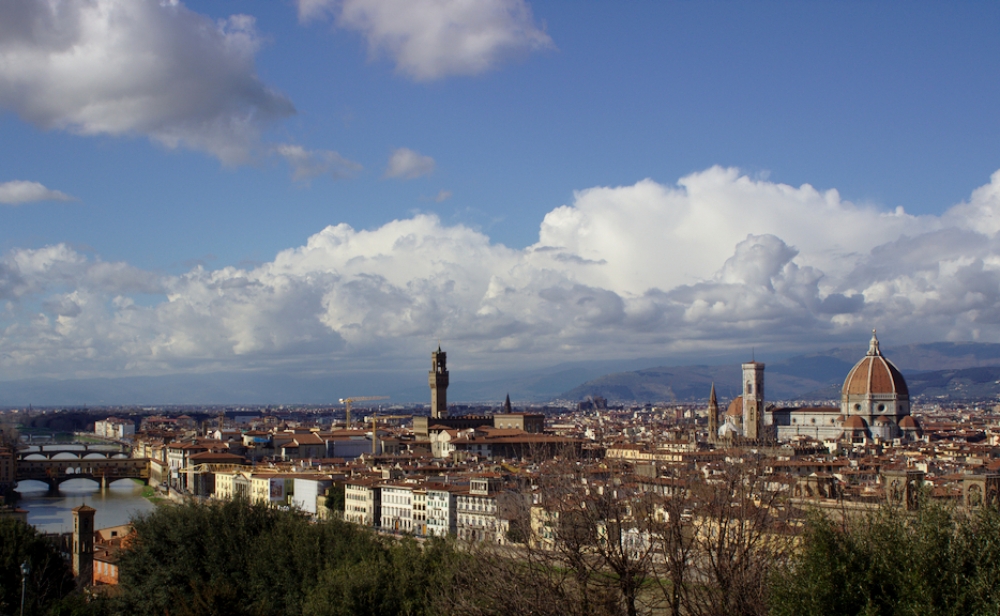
(236,558)
(49,580)
(933,562)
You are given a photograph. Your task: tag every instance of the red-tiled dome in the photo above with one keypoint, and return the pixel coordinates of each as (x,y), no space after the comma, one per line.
(908,423)
(735,407)
(882,420)
(855,422)
(874,374)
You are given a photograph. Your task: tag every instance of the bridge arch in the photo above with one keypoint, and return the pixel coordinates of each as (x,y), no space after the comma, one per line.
(102,470)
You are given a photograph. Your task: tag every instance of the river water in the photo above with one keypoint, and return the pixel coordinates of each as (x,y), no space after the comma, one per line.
(52,513)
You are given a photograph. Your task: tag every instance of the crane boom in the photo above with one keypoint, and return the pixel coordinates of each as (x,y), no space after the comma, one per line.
(347,406)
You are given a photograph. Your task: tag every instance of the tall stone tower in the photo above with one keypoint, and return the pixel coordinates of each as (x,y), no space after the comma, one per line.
(713,416)
(438,380)
(83,545)
(753,400)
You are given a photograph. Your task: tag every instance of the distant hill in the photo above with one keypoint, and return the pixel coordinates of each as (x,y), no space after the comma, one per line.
(978,383)
(942,370)
(932,370)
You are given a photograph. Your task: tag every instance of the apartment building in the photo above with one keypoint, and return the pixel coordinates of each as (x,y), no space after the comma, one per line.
(442,510)
(271,489)
(363,501)
(397,507)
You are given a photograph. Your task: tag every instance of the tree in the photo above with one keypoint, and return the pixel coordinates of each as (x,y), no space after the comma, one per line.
(936,560)
(740,534)
(495,581)
(237,558)
(673,533)
(49,580)
(404,579)
(587,551)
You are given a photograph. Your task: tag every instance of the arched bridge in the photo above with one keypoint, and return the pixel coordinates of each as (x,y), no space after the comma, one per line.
(102,470)
(79,450)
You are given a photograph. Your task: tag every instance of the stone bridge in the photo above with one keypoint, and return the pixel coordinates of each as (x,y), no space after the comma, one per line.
(49,451)
(101,470)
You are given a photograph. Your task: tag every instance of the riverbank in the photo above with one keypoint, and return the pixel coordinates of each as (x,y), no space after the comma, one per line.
(150,494)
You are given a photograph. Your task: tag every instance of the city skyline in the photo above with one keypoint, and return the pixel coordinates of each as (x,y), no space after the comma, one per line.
(319,186)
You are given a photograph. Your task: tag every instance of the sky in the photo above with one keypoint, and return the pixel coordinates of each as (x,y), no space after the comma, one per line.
(286,186)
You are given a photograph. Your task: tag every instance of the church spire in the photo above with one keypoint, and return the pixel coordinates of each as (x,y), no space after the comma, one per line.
(713,415)
(506,405)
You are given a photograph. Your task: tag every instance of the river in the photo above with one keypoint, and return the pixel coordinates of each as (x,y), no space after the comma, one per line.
(52,513)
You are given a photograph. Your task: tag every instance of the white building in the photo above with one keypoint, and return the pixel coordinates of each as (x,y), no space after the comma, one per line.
(485,512)
(397,507)
(115,428)
(363,501)
(231,485)
(271,488)
(307,491)
(442,510)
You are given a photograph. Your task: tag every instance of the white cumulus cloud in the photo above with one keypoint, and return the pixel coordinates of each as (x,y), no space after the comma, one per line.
(405,164)
(16,192)
(153,69)
(715,261)
(431,39)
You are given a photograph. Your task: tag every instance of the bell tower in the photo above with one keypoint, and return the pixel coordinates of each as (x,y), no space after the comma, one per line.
(753,400)
(438,380)
(83,545)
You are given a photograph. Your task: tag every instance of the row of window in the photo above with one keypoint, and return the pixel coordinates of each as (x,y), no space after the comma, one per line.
(395,498)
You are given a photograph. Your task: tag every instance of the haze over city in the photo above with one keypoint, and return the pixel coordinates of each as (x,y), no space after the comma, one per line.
(323,187)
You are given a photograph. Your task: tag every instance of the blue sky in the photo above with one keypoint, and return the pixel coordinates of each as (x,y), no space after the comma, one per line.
(523,181)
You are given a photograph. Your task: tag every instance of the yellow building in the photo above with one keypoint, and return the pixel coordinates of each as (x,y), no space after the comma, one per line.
(271,488)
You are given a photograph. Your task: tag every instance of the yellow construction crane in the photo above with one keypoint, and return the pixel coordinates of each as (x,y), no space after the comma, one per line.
(347,406)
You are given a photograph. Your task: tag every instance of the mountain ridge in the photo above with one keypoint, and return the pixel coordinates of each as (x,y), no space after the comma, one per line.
(940,370)
(812,376)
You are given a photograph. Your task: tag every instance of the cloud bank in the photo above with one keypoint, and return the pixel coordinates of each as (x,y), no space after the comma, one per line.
(432,39)
(17,192)
(126,68)
(716,261)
